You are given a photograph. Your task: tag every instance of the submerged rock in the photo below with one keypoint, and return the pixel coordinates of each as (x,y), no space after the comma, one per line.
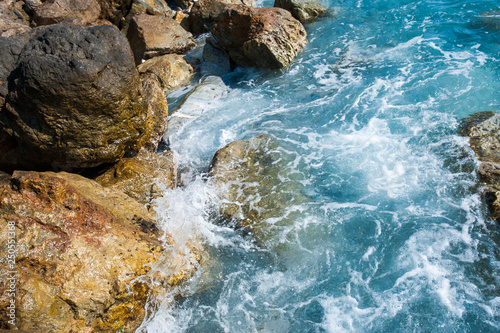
(151,36)
(215,60)
(205,12)
(75,100)
(55,11)
(255,192)
(171,71)
(85,254)
(261,37)
(302,10)
(143,177)
(196,102)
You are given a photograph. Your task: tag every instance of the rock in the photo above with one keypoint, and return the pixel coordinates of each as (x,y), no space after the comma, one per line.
(157,110)
(254,190)
(76,100)
(152,36)
(114,10)
(483,129)
(215,60)
(84,254)
(171,71)
(302,10)
(13,19)
(205,12)
(488,20)
(152,7)
(10,49)
(54,11)
(261,37)
(196,102)
(143,177)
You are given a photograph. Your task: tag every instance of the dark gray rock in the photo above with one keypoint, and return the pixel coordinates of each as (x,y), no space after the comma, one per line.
(75,100)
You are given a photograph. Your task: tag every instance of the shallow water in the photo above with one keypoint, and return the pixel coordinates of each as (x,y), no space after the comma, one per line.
(394,237)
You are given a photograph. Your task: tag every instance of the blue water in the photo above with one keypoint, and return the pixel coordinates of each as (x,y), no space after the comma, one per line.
(394,237)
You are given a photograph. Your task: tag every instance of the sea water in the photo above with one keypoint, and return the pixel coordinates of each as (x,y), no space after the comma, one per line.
(394,236)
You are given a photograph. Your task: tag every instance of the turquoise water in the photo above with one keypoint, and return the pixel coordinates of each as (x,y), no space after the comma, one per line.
(395,237)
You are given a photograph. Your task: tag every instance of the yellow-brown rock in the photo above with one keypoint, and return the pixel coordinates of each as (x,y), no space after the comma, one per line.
(157,109)
(143,177)
(54,11)
(84,254)
(171,71)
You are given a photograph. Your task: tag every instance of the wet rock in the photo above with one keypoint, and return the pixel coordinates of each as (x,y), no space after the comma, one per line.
(483,129)
(84,254)
(157,110)
(261,37)
(302,10)
(255,192)
(152,36)
(54,11)
(488,20)
(200,99)
(171,71)
(75,100)
(215,60)
(143,177)
(205,12)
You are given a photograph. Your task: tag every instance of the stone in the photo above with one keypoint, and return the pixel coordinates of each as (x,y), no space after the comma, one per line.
(157,110)
(483,129)
(489,21)
(152,7)
(55,11)
(210,89)
(144,177)
(254,191)
(215,60)
(76,101)
(85,255)
(302,10)
(171,71)
(114,10)
(13,18)
(260,37)
(205,12)
(152,36)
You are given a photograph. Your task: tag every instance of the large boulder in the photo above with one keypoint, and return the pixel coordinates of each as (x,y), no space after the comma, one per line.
(152,36)
(75,100)
(84,255)
(302,10)
(157,110)
(171,71)
(144,177)
(55,11)
(255,192)
(153,7)
(260,37)
(205,12)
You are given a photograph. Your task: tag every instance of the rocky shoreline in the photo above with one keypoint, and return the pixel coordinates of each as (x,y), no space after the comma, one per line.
(84,135)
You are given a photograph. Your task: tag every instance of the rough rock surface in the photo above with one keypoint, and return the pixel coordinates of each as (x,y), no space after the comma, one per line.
(157,110)
(114,10)
(483,129)
(81,252)
(260,37)
(54,11)
(10,49)
(171,71)
(13,18)
(210,89)
(151,36)
(205,12)
(302,10)
(153,7)
(143,177)
(255,191)
(75,100)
